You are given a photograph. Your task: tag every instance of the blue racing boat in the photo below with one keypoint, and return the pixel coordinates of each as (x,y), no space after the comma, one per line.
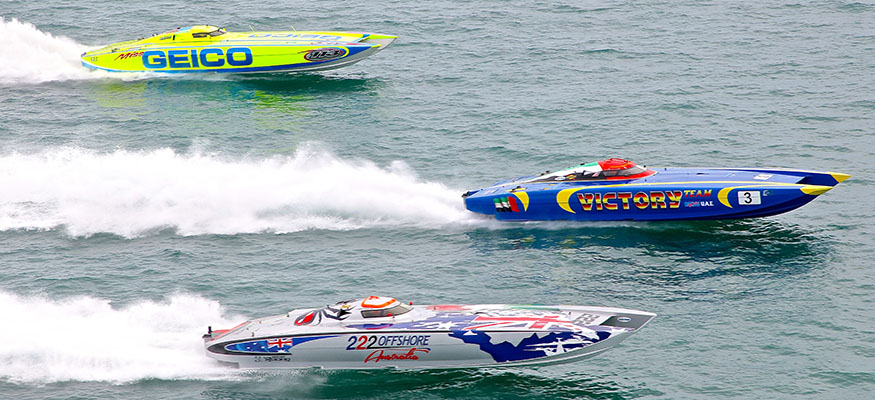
(618,189)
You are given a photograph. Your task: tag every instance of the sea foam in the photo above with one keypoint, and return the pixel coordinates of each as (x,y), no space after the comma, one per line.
(132,193)
(32,56)
(87,339)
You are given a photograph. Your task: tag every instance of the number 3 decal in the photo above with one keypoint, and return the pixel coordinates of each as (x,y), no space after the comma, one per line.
(749,198)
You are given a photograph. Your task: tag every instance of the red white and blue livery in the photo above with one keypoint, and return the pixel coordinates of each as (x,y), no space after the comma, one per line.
(618,189)
(381,332)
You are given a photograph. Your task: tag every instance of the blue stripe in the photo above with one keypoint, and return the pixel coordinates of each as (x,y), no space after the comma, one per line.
(348,45)
(227,70)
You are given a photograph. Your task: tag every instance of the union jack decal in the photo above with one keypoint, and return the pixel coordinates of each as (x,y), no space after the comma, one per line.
(280,342)
(523,321)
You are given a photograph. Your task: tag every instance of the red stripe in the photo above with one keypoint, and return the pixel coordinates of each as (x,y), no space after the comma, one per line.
(223,332)
(513,206)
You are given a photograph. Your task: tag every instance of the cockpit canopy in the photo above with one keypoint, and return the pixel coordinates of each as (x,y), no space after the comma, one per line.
(201,31)
(367,308)
(610,169)
(376,307)
(197,31)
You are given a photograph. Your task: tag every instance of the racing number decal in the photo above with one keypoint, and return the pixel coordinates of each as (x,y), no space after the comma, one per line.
(369,342)
(361,340)
(749,198)
(352,340)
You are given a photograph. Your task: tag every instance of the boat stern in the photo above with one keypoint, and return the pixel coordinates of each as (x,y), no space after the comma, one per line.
(213,346)
(501,202)
(214,334)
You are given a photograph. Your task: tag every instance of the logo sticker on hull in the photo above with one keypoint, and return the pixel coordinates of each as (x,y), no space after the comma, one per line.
(655,199)
(132,54)
(268,359)
(324,54)
(506,204)
(392,355)
(518,201)
(194,58)
(697,193)
(521,321)
(368,342)
(390,347)
(749,198)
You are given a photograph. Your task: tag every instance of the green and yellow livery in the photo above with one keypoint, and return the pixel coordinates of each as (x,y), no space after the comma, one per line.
(206,48)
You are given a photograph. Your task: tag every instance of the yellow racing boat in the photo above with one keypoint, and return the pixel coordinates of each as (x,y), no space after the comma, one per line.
(205,48)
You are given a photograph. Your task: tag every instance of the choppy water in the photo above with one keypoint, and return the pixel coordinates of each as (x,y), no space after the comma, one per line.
(136,209)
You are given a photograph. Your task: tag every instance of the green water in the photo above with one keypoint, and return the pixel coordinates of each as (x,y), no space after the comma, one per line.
(137,210)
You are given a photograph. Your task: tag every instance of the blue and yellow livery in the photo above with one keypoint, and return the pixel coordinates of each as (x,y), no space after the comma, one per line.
(617,189)
(205,48)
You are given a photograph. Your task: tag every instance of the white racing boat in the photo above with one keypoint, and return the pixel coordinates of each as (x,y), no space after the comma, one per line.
(381,332)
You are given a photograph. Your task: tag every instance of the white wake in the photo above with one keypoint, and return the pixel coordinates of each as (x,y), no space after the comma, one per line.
(132,193)
(29,55)
(87,339)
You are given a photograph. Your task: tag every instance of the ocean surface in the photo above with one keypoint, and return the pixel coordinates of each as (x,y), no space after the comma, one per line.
(136,210)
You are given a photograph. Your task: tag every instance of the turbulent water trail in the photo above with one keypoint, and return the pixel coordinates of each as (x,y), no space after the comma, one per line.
(29,55)
(132,193)
(87,339)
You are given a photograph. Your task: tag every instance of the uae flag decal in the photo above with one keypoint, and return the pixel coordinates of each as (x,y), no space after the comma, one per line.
(506,204)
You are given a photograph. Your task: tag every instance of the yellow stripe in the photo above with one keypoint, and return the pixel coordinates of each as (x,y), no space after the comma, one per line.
(563,195)
(839,177)
(723,195)
(524,198)
(815,190)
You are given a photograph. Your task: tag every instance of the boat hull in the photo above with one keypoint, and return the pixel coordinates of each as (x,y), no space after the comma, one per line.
(669,194)
(433,350)
(505,338)
(255,52)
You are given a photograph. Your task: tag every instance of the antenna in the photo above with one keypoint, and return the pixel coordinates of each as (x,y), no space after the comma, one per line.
(250,28)
(293,28)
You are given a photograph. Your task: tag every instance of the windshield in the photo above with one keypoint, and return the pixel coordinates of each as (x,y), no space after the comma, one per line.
(217,32)
(586,174)
(387,312)
(635,170)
